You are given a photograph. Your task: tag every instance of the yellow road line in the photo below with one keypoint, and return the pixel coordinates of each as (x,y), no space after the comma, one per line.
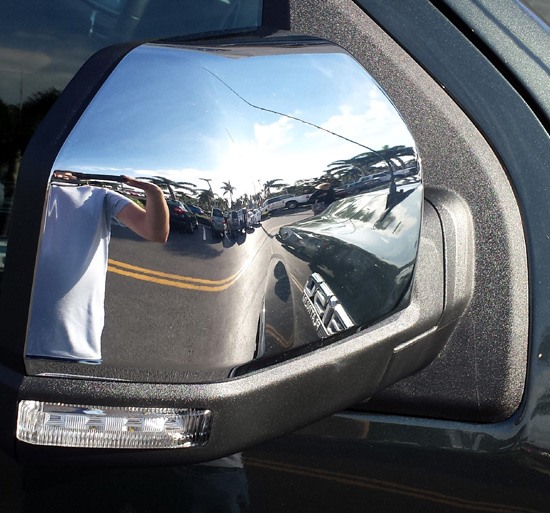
(280,339)
(297,284)
(173,280)
(172,283)
(176,280)
(177,277)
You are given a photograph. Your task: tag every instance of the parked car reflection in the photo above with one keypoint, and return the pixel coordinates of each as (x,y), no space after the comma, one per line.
(233,225)
(351,263)
(217,222)
(181,217)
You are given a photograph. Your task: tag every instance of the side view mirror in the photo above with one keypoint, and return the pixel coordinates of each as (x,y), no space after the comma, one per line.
(228,230)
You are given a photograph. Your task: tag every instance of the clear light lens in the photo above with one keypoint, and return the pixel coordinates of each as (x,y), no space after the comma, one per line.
(69,425)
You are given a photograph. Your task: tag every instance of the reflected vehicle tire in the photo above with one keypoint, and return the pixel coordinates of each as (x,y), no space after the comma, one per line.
(292,204)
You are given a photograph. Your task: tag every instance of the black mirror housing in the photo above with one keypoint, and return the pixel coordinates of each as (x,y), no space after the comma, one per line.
(337,315)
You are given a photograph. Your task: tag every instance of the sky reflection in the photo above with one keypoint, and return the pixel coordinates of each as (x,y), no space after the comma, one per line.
(187,114)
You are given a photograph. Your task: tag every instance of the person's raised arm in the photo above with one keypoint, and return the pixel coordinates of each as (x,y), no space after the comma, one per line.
(151,223)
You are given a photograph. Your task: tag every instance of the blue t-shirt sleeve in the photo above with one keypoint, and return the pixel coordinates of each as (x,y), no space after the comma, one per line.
(114,203)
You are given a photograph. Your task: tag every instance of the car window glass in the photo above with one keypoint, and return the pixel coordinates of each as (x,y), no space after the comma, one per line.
(43,44)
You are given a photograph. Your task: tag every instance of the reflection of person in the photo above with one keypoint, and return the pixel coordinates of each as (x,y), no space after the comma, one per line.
(67,311)
(323,196)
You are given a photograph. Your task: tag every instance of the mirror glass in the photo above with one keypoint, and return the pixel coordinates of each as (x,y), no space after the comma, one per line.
(219,207)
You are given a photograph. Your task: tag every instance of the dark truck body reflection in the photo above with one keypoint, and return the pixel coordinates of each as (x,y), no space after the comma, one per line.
(344,268)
